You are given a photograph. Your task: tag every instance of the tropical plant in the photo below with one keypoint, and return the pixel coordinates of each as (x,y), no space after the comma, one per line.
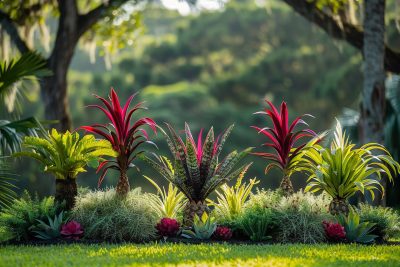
(65,156)
(7,193)
(386,220)
(72,230)
(283,139)
(357,231)
(300,218)
(51,229)
(124,136)
(203,227)
(12,76)
(231,199)
(17,219)
(334,231)
(168,227)
(196,171)
(106,216)
(169,203)
(223,233)
(343,170)
(257,223)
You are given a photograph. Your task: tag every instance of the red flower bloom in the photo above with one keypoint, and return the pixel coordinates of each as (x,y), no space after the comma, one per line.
(223,233)
(168,227)
(334,231)
(72,229)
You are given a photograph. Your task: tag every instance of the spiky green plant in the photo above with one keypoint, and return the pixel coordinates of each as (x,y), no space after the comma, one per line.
(196,169)
(65,156)
(342,170)
(357,231)
(50,229)
(203,227)
(170,203)
(231,199)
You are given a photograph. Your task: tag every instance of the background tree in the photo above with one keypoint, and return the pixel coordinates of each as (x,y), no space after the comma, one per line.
(75,20)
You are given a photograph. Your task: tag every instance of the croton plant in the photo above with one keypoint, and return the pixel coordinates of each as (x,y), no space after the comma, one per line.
(125,136)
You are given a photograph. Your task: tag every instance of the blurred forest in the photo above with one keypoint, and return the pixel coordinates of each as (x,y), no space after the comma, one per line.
(214,68)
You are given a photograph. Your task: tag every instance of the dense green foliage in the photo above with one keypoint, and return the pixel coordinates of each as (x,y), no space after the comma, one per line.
(386,220)
(356,230)
(50,228)
(105,216)
(341,170)
(17,219)
(65,155)
(204,255)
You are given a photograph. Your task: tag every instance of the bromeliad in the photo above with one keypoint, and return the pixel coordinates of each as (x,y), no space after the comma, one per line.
(196,170)
(125,137)
(282,139)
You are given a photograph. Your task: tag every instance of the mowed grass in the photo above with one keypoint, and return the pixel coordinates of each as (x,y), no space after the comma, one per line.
(200,255)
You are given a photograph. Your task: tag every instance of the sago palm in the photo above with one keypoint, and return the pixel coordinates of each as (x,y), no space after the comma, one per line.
(342,170)
(285,141)
(65,156)
(196,169)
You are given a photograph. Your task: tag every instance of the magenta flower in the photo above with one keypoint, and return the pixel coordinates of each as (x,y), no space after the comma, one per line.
(168,227)
(334,231)
(223,233)
(72,229)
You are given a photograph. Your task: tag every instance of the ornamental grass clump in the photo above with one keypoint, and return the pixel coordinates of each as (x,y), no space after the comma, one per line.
(197,170)
(286,143)
(342,170)
(300,218)
(124,136)
(106,216)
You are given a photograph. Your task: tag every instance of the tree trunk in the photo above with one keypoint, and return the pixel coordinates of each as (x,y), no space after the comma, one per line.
(66,191)
(54,88)
(339,206)
(286,186)
(373,105)
(123,186)
(193,208)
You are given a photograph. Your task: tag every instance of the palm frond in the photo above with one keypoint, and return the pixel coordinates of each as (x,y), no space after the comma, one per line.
(15,72)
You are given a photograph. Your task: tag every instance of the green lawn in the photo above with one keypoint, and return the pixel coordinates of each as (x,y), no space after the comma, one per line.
(200,255)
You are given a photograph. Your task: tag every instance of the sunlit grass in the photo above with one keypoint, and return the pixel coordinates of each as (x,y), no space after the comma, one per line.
(200,255)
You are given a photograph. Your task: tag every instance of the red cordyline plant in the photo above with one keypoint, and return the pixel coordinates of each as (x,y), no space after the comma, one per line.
(125,137)
(282,138)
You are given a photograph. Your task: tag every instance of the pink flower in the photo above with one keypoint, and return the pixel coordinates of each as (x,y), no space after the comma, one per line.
(334,231)
(168,227)
(72,229)
(223,233)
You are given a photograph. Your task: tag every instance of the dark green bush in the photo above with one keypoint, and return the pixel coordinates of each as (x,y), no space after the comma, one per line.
(17,220)
(386,220)
(258,223)
(105,216)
